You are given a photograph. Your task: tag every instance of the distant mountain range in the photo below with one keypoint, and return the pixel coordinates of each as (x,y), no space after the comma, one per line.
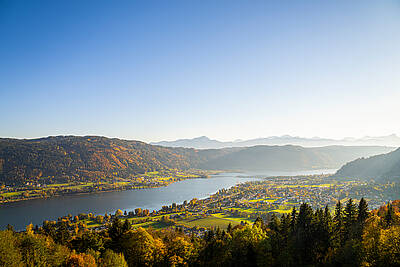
(204,142)
(90,158)
(380,167)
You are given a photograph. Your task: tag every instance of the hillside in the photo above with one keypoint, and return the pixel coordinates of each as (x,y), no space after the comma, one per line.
(90,158)
(290,158)
(380,167)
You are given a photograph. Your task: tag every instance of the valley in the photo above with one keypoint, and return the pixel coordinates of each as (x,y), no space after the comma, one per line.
(245,202)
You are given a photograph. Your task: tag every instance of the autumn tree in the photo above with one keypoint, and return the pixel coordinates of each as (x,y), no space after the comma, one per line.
(112,259)
(142,249)
(9,253)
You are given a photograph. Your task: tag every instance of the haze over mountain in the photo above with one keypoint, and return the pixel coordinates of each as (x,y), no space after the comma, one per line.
(204,142)
(90,158)
(290,158)
(380,167)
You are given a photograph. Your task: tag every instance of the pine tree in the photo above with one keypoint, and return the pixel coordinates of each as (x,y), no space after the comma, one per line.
(116,231)
(389,216)
(362,216)
(259,222)
(349,219)
(304,234)
(229,229)
(126,226)
(285,227)
(362,211)
(338,225)
(274,223)
(293,217)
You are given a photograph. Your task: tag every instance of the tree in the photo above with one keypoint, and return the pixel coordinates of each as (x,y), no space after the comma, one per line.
(38,250)
(362,216)
(293,217)
(126,226)
(389,246)
(244,245)
(112,259)
(338,238)
(88,240)
(141,249)
(179,251)
(229,229)
(116,231)
(138,211)
(62,235)
(370,240)
(389,216)
(349,219)
(81,260)
(118,213)
(10,227)
(9,253)
(259,222)
(274,223)
(304,234)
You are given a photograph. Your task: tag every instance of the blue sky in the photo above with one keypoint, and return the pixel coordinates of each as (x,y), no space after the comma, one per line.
(155,70)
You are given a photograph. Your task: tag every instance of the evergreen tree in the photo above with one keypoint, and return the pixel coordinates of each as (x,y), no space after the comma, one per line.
(304,239)
(126,226)
(285,227)
(349,219)
(327,219)
(229,229)
(293,217)
(338,225)
(10,227)
(362,216)
(62,234)
(274,223)
(116,231)
(259,222)
(389,216)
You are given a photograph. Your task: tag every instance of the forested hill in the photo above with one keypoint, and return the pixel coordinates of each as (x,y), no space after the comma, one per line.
(90,158)
(85,158)
(291,158)
(380,167)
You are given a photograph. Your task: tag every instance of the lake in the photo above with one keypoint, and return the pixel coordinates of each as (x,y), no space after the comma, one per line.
(19,214)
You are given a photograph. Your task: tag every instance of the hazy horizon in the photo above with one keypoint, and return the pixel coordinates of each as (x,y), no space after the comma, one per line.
(347,141)
(228,70)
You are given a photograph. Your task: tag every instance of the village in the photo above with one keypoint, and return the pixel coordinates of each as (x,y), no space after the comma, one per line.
(243,203)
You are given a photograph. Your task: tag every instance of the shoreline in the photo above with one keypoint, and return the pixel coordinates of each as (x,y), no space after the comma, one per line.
(110,190)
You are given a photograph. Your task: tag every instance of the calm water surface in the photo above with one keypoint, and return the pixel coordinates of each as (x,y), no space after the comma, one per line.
(19,214)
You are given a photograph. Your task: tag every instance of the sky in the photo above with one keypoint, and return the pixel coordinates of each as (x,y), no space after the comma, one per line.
(164,70)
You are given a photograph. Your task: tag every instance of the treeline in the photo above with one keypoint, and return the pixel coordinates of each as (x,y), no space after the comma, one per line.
(384,167)
(84,159)
(351,236)
(63,159)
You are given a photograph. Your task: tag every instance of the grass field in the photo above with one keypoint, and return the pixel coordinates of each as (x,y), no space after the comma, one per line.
(215,220)
(307,185)
(153,224)
(269,200)
(232,218)
(11,194)
(206,222)
(281,211)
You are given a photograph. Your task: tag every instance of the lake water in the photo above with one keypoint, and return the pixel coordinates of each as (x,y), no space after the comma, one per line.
(19,214)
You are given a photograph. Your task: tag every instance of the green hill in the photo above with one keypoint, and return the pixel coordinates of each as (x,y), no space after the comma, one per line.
(380,167)
(291,158)
(90,158)
(75,158)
